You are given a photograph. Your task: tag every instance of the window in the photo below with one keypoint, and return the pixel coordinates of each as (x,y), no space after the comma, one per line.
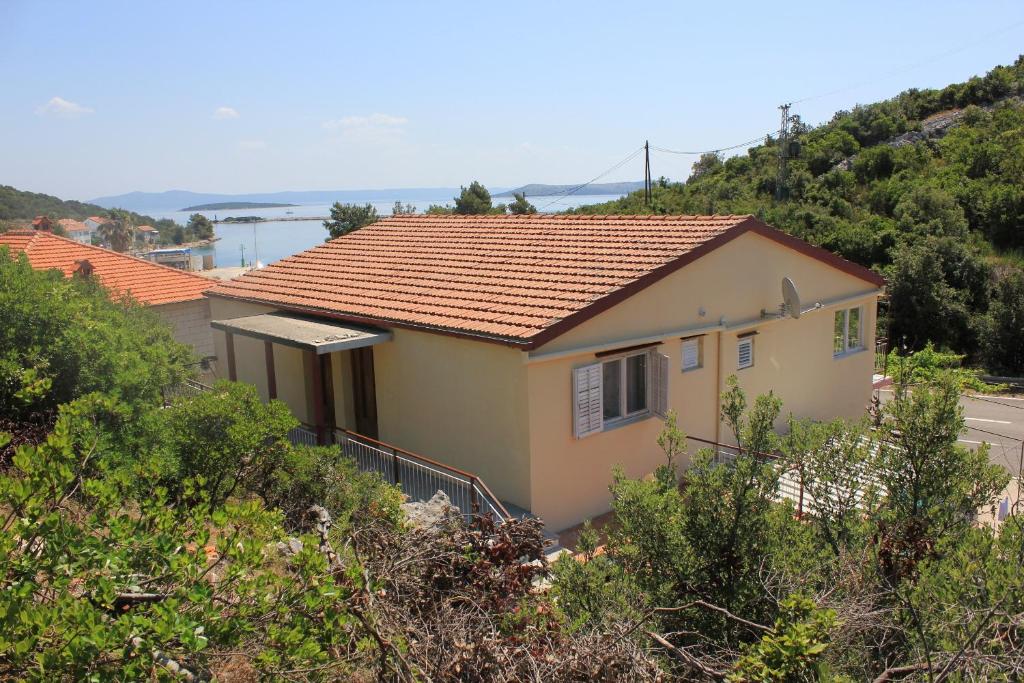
(745,353)
(624,381)
(847,333)
(619,390)
(693,353)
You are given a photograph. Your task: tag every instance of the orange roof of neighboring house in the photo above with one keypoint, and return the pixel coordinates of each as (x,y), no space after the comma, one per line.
(146,228)
(97,219)
(520,280)
(71,225)
(147,282)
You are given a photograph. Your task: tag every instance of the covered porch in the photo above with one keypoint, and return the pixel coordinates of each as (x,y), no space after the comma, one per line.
(321,368)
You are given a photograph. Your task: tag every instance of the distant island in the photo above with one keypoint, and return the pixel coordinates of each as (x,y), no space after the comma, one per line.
(221,206)
(539,190)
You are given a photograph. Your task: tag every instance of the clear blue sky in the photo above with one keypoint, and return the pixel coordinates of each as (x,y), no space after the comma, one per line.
(107,97)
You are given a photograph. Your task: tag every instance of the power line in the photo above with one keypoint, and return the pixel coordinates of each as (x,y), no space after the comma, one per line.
(914,65)
(593,180)
(759,138)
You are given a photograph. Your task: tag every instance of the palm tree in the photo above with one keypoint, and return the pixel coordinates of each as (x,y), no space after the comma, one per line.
(118,230)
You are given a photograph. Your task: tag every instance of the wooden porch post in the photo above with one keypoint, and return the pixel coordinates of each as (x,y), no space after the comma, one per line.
(268,353)
(315,382)
(232,372)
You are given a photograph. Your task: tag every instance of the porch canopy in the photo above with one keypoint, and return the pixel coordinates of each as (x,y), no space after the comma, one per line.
(309,334)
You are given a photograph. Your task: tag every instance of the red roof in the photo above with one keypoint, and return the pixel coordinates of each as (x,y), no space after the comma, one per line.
(71,225)
(515,279)
(147,282)
(146,228)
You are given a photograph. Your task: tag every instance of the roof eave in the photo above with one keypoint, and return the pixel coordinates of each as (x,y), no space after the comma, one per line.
(515,342)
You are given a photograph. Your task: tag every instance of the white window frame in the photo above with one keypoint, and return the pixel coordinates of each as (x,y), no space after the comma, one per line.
(740,343)
(847,349)
(698,344)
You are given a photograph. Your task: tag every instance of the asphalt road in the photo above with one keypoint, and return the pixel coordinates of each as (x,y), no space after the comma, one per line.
(995,420)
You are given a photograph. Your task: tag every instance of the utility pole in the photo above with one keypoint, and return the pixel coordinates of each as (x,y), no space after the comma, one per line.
(647,173)
(780,181)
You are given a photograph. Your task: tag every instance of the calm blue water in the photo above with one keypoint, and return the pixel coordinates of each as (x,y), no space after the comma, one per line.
(273,240)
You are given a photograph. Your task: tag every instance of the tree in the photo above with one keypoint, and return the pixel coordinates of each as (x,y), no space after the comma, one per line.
(1003,343)
(62,338)
(118,230)
(402,210)
(933,286)
(346,218)
(200,226)
(474,199)
(520,206)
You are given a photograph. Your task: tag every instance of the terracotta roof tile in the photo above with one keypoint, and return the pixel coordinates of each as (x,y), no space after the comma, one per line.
(147,282)
(516,279)
(71,225)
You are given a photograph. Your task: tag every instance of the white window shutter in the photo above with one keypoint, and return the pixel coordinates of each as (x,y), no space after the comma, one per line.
(659,384)
(691,354)
(587,412)
(745,353)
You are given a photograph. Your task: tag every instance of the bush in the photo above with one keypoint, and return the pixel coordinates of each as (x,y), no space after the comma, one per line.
(62,338)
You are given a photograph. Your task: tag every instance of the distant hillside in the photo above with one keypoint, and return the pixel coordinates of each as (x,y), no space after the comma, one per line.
(20,205)
(927,188)
(171,200)
(539,190)
(221,206)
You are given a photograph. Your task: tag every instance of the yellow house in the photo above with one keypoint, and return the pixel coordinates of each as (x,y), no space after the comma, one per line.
(538,352)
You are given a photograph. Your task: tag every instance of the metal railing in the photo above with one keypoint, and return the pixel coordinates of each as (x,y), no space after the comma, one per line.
(791,485)
(419,477)
(882,356)
(186,389)
(303,436)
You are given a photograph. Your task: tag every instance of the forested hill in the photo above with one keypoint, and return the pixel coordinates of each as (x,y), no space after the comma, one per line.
(927,188)
(20,205)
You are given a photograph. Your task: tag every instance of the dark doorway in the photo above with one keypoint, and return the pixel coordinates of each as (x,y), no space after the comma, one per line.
(364,391)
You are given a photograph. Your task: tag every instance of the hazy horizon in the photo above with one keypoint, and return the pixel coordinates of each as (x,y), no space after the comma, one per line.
(231,98)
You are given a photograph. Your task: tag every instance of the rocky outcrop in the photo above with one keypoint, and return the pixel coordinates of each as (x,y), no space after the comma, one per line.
(433,512)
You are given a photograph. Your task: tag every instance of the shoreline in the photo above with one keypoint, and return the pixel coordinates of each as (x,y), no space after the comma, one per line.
(273,220)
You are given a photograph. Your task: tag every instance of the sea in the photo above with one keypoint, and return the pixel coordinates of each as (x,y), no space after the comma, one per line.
(246,244)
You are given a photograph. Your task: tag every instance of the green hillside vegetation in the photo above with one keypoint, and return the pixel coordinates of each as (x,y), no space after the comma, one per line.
(927,188)
(18,208)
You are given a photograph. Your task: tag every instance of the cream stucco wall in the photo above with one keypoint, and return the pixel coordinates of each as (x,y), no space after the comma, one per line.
(459,401)
(570,477)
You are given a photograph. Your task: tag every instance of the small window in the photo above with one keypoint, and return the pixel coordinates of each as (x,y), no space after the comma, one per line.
(847,332)
(745,353)
(693,353)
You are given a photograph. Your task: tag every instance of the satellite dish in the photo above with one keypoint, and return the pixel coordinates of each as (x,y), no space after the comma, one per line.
(790,298)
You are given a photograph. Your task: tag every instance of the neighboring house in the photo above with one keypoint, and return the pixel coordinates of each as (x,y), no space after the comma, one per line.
(94,222)
(76,230)
(176,296)
(148,233)
(537,352)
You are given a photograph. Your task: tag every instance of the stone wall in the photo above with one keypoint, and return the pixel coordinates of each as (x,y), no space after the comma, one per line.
(190,321)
